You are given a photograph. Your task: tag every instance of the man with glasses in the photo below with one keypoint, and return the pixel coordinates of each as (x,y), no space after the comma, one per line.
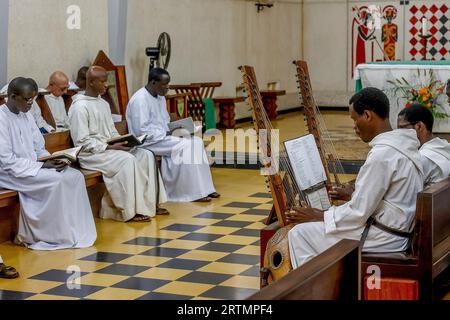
(435,152)
(55,210)
(58,86)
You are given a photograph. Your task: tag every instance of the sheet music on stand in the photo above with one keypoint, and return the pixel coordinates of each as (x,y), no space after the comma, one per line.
(308,170)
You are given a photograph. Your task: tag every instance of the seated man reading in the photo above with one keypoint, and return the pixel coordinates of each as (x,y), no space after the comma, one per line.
(7,272)
(386,189)
(131,179)
(435,152)
(58,85)
(185,167)
(55,209)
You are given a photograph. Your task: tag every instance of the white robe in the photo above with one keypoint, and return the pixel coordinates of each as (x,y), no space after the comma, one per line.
(386,186)
(55,209)
(37,115)
(58,109)
(1,260)
(435,160)
(130,177)
(185,167)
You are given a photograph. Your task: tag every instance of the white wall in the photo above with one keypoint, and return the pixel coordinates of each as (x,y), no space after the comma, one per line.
(40,43)
(212,38)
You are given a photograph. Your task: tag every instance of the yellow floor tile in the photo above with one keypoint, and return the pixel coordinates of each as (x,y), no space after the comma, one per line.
(167,234)
(217,230)
(101,280)
(184,244)
(225,268)
(245,217)
(48,297)
(200,221)
(122,248)
(266,206)
(86,266)
(145,261)
(184,288)
(237,240)
(163,274)
(203,255)
(242,282)
(251,250)
(117,294)
(229,209)
(27,285)
(203,299)
(256,226)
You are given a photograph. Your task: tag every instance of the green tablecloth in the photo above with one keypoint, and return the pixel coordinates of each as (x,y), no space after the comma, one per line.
(210,114)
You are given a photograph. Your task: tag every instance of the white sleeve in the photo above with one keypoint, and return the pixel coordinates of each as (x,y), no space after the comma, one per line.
(143,121)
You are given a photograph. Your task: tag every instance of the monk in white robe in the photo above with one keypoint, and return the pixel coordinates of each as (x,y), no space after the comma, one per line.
(35,111)
(386,188)
(435,152)
(58,86)
(55,209)
(129,174)
(185,167)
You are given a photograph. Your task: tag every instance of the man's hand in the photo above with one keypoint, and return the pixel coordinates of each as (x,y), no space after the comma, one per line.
(343,192)
(59,165)
(304,214)
(122,146)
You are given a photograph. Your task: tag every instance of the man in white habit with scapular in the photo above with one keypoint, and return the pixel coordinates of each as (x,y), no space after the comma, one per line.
(382,208)
(55,210)
(57,86)
(185,167)
(434,151)
(35,111)
(133,185)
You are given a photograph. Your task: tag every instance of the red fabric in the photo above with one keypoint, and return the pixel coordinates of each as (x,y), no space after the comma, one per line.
(393,289)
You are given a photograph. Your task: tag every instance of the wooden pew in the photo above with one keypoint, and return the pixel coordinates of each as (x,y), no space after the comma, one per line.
(207,88)
(428,257)
(332,275)
(196,107)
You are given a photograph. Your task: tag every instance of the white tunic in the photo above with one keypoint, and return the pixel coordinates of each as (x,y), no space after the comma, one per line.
(55,209)
(37,115)
(435,160)
(386,186)
(129,177)
(58,109)
(185,167)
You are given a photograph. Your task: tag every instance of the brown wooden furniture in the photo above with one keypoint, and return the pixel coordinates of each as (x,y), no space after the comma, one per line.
(332,275)
(227,110)
(117,93)
(269,98)
(430,251)
(45,109)
(207,88)
(177,105)
(196,107)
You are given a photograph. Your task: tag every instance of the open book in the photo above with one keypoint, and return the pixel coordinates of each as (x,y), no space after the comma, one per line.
(132,140)
(186,124)
(68,154)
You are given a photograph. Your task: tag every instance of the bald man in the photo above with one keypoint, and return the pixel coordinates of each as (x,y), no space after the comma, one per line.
(57,86)
(130,175)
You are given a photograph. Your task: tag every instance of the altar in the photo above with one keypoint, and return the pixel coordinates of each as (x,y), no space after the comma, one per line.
(378,74)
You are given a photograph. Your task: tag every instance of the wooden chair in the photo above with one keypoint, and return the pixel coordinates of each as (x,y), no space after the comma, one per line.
(429,255)
(332,275)
(207,88)
(196,107)
(45,110)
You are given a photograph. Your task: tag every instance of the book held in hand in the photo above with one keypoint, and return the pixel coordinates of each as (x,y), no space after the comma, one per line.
(132,140)
(68,154)
(186,124)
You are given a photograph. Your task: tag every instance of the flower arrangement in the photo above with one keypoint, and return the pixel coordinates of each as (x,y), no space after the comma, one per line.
(429,93)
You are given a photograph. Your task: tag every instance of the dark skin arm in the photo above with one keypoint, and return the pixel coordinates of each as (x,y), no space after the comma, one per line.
(122,146)
(55,164)
(343,192)
(304,214)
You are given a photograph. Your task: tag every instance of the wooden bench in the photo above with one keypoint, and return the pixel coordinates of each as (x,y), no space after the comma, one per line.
(269,99)
(332,275)
(416,270)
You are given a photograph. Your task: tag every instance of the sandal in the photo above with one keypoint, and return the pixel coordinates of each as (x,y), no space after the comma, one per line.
(205,199)
(140,218)
(214,195)
(162,212)
(7,272)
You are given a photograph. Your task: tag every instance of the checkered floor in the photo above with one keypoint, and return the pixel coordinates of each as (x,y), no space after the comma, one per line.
(216,258)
